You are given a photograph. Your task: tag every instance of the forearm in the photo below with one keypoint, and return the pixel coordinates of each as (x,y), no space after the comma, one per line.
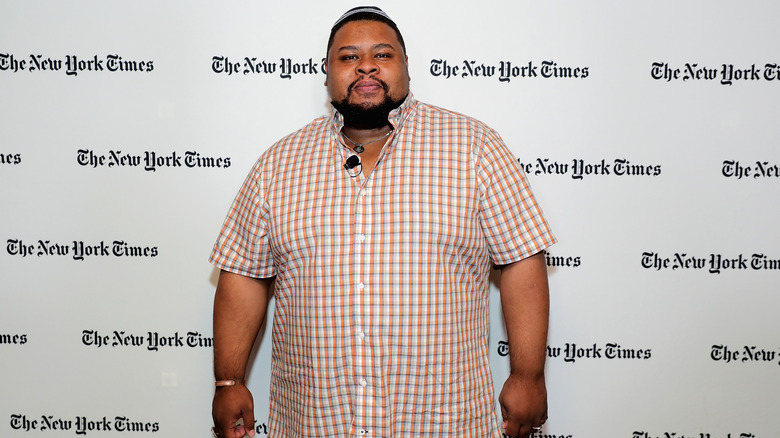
(526,306)
(240,305)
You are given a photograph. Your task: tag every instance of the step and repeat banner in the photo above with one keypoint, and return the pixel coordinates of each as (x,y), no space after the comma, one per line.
(649,132)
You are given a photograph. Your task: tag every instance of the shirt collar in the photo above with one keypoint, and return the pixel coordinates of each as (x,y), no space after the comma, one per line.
(396,116)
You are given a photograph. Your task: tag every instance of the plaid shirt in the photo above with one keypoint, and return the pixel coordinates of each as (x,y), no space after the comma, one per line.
(381,321)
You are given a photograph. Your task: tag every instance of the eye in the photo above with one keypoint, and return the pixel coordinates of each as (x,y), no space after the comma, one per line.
(348,57)
(384,55)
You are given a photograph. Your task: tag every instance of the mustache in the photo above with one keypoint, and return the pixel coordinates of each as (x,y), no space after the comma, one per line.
(354,83)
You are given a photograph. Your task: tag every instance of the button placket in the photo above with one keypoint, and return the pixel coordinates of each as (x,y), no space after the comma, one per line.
(362,408)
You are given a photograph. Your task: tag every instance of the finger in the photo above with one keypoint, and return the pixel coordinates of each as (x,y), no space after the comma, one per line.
(504,423)
(511,428)
(249,422)
(228,429)
(222,432)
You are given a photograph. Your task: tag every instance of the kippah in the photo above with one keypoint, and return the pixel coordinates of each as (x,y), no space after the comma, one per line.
(362,9)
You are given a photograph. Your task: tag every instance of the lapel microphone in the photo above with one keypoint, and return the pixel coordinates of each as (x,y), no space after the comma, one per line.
(352,162)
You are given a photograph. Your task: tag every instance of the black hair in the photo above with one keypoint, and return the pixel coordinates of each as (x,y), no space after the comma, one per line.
(365,16)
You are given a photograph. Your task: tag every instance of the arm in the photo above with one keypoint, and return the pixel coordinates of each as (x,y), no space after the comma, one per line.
(525,302)
(240,304)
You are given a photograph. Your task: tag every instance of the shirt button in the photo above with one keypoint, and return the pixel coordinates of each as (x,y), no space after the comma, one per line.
(361,286)
(362,193)
(361,335)
(361,237)
(363,383)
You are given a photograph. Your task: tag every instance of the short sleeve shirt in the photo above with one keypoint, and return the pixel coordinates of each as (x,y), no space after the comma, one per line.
(381,312)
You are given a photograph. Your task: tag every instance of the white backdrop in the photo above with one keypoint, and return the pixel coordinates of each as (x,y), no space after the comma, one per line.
(124,135)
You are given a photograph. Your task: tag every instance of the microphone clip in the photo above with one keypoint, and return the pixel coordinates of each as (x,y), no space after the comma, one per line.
(352,162)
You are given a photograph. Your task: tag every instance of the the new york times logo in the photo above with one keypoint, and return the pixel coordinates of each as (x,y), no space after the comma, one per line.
(571,352)
(152,341)
(745,354)
(714,263)
(541,434)
(285,68)
(78,250)
(726,74)
(761,169)
(558,261)
(10,158)
(15,339)
(505,71)
(82,425)
(579,168)
(72,65)
(150,161)
(668,434)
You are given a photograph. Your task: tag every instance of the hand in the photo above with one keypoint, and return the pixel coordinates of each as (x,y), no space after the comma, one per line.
(230,404)
(523,405)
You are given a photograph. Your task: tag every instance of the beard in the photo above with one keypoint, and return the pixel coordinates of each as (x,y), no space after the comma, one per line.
(366,116)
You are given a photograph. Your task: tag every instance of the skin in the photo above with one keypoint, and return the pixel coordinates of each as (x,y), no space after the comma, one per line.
(240,305)
(526,305)
(363,53)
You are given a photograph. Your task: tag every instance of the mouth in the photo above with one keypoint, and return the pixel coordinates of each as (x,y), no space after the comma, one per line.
(368,86)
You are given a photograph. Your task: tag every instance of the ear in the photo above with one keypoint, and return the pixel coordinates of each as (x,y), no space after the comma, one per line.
(325,67)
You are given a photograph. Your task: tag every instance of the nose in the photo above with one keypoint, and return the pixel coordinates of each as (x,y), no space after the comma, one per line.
(367,66)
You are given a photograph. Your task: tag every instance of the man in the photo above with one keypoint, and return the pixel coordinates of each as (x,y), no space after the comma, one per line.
(379,225)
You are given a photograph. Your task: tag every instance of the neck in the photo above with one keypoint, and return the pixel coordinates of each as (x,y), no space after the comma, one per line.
(362,135)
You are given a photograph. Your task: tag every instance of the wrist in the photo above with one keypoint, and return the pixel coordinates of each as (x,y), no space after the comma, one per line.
(228,382)
(529,375)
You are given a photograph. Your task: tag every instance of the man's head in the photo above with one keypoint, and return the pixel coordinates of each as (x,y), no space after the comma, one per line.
(367,71)
(368,13)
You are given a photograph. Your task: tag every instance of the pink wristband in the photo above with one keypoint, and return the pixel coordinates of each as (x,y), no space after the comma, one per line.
(227,382)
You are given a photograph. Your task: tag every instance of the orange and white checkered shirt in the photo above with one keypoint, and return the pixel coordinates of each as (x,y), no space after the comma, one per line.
(381,321)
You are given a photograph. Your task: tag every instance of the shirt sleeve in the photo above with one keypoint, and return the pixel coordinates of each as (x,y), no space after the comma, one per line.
(512,221)
(243,245)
